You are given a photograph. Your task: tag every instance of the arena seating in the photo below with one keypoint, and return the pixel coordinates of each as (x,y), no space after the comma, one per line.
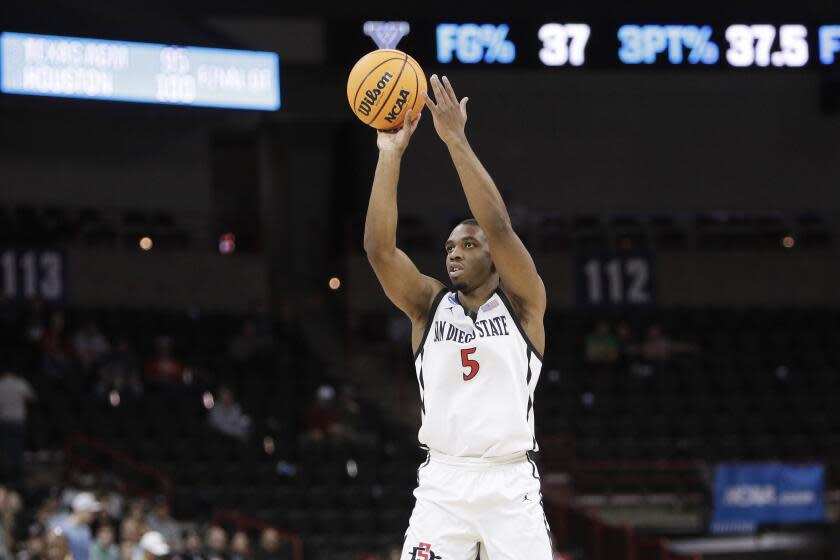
(760,388)
(703,231)
(94,227)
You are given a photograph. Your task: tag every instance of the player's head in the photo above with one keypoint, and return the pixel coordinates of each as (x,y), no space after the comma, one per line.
(468,260)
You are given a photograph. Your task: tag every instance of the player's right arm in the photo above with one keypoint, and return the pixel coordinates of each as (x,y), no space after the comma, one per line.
(403,283)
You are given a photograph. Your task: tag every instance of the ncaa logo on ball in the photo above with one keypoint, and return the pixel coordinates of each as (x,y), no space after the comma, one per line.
(402,99)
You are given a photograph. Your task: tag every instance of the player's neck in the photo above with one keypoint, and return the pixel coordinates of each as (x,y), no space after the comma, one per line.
(477,297)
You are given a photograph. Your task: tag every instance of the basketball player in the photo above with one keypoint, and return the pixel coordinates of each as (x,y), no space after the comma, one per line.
(478,354)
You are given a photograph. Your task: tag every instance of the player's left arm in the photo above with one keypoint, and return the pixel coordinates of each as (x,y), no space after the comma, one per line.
(513,262)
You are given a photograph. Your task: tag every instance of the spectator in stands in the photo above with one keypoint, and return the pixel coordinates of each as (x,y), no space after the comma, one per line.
(659,347)
(601,346)
(90,346)
(227,417)
(137,512)
(153,546)
(127,550)
(240,546)
(36,545)
(160,519)
(76,526)
(10,509)
(656,352)
(112,503)
(626,341)
(6,529)
(120,372)
(58,546)
(162,367)
(49,508)
(215,543)
(323,415)
(271,547)
(56,351)
(15,392)
(130,532)
(193,549)
(104,547)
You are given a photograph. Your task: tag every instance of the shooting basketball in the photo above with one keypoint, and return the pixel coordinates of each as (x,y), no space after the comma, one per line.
(383,85)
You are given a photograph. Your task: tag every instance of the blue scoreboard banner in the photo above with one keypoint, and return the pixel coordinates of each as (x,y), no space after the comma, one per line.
(746,496)
(126,71)
(595,43)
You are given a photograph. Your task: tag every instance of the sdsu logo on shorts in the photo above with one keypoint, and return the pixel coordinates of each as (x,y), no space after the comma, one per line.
(424,552)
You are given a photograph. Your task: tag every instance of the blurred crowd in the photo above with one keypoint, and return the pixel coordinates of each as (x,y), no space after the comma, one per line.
(73,524)
(611,348)
(110,361)
(43,354)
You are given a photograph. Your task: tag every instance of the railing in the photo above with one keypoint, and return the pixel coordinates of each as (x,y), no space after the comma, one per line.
(576,528)
(93,454)
(245,522)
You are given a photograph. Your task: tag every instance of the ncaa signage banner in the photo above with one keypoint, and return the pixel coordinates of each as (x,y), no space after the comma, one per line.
(746,496)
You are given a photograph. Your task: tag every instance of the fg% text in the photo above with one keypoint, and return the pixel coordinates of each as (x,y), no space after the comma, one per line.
(471,43)
(642,44)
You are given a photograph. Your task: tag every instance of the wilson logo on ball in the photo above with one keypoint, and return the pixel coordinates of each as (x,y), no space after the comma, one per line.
(402,99)
(383,85)
(371,95)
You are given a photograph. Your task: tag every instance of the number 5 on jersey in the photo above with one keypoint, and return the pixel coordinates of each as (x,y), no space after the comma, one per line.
(466,362)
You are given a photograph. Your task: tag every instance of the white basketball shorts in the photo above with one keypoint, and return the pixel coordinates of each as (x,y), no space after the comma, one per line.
(477,508)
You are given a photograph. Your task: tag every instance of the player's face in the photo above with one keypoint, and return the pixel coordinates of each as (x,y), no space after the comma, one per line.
(468,261)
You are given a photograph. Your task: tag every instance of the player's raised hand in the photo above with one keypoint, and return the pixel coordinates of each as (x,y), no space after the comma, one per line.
(449,114)
(396,140)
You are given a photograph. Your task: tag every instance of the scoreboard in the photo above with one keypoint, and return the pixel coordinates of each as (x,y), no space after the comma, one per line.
(142,72)
(597,44)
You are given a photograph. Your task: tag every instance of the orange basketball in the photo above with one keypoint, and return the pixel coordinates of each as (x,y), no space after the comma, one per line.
(383,85)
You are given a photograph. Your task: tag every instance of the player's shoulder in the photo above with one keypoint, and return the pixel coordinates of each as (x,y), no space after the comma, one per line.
(435,292)
(519,306)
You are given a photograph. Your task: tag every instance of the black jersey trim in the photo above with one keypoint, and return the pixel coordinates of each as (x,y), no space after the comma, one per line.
(528,385)
(528,377)
(420,373)
(542,506)
(430,316)
(425,463)
(530,344)
(422,387)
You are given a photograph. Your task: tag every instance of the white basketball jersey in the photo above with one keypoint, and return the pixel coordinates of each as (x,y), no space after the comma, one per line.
(477,380)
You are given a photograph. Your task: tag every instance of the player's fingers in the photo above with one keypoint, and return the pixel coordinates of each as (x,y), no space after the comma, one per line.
(450,92)
(415,122)
(429,103)
(441,97)
(408,121)
(464,106)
